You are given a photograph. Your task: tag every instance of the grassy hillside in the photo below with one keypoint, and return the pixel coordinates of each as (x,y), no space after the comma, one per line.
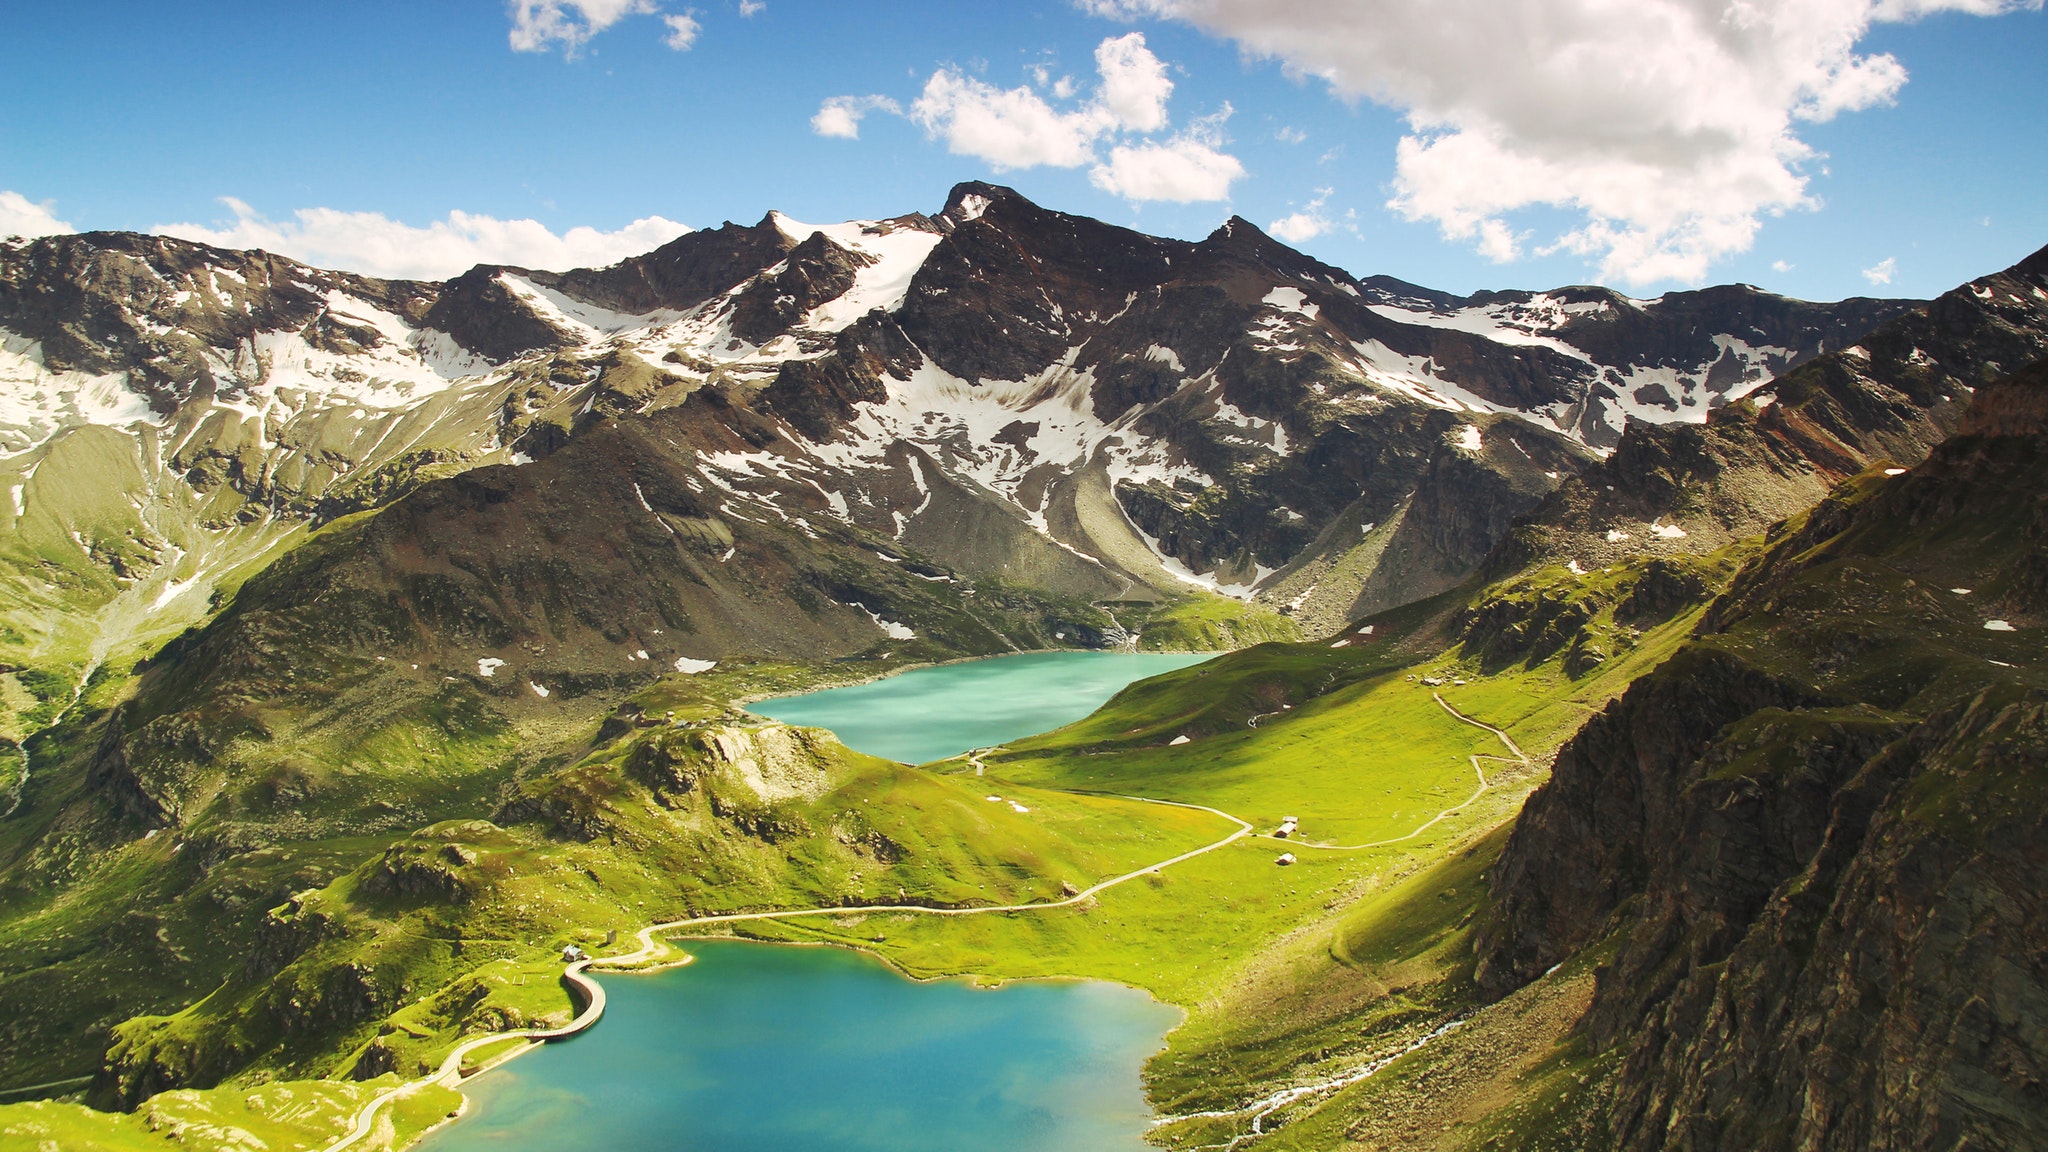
(373,954)
(1299,973)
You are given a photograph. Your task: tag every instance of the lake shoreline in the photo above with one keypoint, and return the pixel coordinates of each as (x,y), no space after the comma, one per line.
(938,712)
(1042,1054)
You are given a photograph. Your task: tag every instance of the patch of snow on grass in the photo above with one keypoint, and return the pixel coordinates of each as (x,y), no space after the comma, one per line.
(1179,740)
(488,666)
(1616,536)
(1470,438)
(1668,531)
(538,690)
(689,667)
(1998,626)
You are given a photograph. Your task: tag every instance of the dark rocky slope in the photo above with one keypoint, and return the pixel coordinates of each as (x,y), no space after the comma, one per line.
(1815,837)
(1890,397)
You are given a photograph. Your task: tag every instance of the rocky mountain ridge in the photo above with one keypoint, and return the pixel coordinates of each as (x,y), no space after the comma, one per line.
(1890,397)
(1129,416)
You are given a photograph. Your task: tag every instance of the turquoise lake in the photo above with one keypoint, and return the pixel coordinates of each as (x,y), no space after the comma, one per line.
(930,713)
(766,1048)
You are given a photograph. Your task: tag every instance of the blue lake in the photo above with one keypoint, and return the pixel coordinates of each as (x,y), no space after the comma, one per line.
(930,713)
(766,1048)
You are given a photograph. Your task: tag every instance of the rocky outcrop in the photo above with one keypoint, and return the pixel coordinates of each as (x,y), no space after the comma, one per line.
(1890,994)
(813,272)
(817,397)
(679,275)
(1810,839)
(486,317)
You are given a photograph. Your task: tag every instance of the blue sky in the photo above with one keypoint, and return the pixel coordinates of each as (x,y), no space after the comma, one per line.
(1917,141)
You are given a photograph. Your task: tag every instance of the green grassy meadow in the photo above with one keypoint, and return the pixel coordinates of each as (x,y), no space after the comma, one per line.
(393,946)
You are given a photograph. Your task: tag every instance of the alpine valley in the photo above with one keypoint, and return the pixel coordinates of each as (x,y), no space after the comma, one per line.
(367,643)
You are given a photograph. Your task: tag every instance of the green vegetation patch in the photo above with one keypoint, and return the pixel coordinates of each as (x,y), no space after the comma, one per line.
(287,1116)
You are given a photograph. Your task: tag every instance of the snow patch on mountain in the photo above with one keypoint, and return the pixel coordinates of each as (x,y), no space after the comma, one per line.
(898,251)
(36,403)
(586,322)
(1413,377)
(1494,323)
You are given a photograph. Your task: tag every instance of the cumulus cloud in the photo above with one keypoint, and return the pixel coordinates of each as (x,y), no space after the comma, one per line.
(1307,224)
(752,7)
(841,115)
(539,25)
(1882,271)
(1008,127)
(682,31)
(1182,170)
(1134,83)
(1021,128)
(376,245)
(1669,126)
(21,216)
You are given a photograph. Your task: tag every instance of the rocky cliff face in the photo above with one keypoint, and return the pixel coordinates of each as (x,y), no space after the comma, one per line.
(1813,838)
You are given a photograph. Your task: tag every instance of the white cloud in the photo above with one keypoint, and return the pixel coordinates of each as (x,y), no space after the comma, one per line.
(1669,126)
(376,245)
(841,115)
(752,7)
(682,31)
(20,216)
(1307,224)
(1781,266)
(1019,128)
(1290,135)
(538,25)
(1181,170)
(1008,127)
(1134,83)
(1882,271)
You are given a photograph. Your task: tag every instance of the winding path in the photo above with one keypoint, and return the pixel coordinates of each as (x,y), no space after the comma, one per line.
(1520,759)
(592,993)
(450,1071)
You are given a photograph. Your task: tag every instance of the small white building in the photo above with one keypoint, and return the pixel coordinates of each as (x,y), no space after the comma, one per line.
(1286,858)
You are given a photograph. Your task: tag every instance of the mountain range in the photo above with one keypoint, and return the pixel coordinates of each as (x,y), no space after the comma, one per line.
(299,561)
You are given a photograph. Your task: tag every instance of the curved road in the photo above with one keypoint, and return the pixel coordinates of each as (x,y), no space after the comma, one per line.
(592,993)
(450,1071)
(1520,758)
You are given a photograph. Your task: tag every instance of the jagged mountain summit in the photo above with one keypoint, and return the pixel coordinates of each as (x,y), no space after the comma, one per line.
(999,389)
